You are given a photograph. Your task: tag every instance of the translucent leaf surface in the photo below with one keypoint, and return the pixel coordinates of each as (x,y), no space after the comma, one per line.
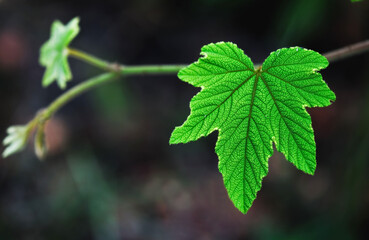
(54,53)
(252,108)
(16,139)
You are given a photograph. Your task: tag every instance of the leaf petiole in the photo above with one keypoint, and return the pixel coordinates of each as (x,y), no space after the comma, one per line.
(122,69)
(87,58)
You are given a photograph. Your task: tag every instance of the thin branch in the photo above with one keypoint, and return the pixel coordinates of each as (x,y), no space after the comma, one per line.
(74,92)
(117,70)
(122,69)
(348,51)
(88,58)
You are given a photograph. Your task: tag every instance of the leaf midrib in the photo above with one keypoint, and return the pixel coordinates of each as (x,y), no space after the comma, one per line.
(282,117)
(247,137)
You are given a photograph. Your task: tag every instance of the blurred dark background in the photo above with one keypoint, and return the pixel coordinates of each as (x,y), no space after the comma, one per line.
(111,174)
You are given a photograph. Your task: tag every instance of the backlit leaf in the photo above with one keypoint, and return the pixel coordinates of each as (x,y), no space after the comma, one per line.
(252,108)
(54,53)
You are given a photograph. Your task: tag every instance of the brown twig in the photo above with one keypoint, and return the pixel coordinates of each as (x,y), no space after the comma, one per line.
(347,51)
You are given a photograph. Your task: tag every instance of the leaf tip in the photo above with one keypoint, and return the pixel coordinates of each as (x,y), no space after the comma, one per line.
(308,168)
(74,25)
(174,139)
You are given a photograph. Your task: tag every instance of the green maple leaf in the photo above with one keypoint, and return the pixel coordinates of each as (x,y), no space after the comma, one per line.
(252,108)
(54,53)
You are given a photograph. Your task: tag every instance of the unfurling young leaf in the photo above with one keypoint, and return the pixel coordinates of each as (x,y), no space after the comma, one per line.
(54,53)
(18,136)
(252,108)
(16,139)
